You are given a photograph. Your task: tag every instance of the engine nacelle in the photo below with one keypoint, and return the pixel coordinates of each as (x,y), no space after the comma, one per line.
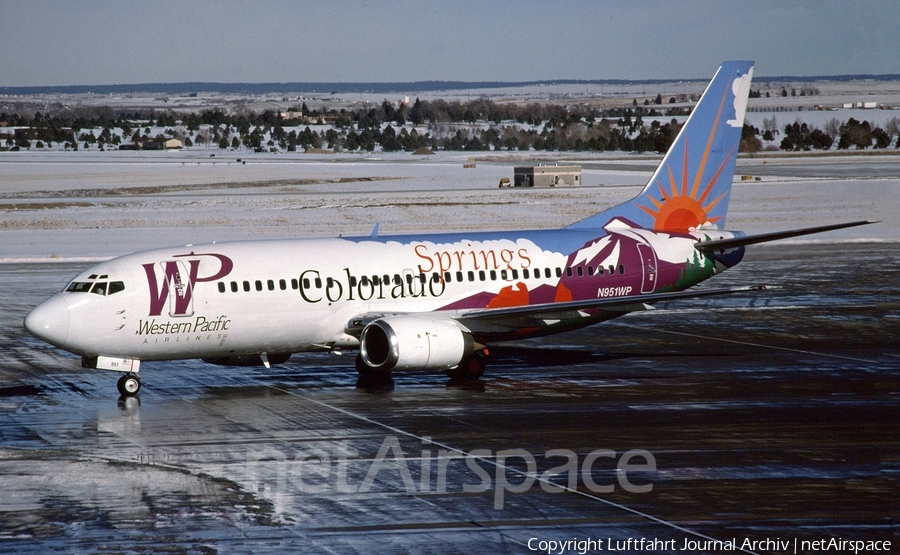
(413,343)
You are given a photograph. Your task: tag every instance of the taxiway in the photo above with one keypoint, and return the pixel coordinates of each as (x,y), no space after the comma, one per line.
(769,415)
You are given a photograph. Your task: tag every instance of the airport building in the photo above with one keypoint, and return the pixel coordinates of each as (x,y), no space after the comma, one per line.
(153,144)
(547,176)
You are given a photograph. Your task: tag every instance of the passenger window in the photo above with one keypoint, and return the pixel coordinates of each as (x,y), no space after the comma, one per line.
(493,275)
(525,274)
(481,275)
(590,270)
(435,277)
(295,284)
(569,272)
(221,287)
(558,272)
(386,279)
(459,276)
(612,269)
(599,270)
(397,280)
(234,287)
(282,284)
(306,283)
(447,277)
(271,285)
(580,270)
(621,269)
(116,286)
(364,281)
(503,275)
(471,275)
(515,274)
(246,286)
(259,286)
(318,283)
(353,281)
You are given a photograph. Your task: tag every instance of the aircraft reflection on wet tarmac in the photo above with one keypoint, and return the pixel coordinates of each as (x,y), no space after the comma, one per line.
(767,416)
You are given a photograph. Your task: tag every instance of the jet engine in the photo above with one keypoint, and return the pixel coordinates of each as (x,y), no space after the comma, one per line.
(413,343)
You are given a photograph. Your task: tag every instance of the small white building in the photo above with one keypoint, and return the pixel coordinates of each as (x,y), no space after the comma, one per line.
(547,176)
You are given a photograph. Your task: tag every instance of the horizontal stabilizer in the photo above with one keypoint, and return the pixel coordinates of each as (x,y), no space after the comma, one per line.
(734,242)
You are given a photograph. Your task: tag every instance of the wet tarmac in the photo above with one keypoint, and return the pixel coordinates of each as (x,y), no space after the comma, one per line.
(772,416)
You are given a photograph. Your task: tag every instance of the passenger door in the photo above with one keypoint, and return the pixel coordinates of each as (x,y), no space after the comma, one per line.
(648,268)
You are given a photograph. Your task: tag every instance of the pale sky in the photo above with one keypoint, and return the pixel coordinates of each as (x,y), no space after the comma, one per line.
(106,42)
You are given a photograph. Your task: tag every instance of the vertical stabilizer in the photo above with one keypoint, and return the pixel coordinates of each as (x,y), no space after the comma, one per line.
(692,185)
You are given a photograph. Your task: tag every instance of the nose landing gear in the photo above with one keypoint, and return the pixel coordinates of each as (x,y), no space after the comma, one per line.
(129,384)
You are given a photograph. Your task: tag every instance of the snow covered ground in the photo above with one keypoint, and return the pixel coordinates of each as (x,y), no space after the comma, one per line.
(91,205)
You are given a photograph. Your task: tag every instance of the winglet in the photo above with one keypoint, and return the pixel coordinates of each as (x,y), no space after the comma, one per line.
(374,233)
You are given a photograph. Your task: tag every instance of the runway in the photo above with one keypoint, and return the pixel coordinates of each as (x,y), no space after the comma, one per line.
(760,417)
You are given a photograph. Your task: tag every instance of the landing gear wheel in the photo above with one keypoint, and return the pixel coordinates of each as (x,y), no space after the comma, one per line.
(470,369)
(366,372)
(129,385)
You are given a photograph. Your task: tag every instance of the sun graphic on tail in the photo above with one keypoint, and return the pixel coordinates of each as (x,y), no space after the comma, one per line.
(679,209)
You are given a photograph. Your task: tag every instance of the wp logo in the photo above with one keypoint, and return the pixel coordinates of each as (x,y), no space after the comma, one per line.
(172,282)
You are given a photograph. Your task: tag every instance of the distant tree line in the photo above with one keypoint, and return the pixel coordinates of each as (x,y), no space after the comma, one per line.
(477,125)
(852,134)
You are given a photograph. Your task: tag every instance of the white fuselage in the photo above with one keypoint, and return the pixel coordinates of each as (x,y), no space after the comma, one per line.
(230,299)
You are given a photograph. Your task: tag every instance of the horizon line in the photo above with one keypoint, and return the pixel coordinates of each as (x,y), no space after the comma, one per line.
(339,87)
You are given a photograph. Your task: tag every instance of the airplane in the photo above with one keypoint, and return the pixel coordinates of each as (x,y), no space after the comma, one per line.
(421,302)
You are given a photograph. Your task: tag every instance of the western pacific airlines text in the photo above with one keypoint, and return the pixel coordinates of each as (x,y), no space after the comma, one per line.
(200,324)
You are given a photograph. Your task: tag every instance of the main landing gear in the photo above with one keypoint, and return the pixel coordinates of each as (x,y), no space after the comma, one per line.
(129,384)
(469,370)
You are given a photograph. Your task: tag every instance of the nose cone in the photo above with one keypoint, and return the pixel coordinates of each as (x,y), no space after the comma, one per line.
(50,321)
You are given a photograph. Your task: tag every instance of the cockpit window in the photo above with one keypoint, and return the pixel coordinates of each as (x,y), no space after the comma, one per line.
(101,288)
(79,287)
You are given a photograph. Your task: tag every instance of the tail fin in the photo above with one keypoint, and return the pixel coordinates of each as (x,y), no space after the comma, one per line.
(691,186)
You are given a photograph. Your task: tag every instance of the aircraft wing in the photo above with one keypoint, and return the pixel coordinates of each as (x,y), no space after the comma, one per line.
(508,318)
(611,304)
(725,244)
